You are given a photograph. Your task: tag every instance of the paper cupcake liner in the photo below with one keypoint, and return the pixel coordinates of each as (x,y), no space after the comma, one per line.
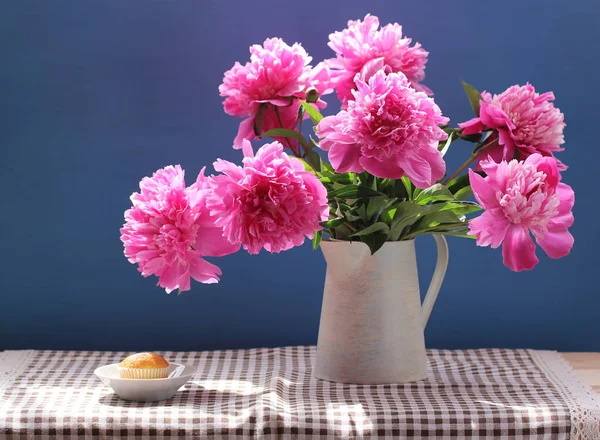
(144,373)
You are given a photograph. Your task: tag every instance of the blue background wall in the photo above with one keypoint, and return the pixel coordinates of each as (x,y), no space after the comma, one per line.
(96,95)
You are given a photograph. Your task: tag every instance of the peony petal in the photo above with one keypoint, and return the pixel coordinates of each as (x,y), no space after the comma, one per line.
(282,117)
(564,219)
(493,154)
(422,88)
(247,148)
(556,243)
(387,169)
(561,166)
(489,228)
(493,116)
(518,249)
(210,242)
(325,127)
(170,277)
(417,169)
(245,131)
(371,67)
(425,169)
(275,74)
(472,126)
(279,102)
(363,43)
(184,281)
(204,272)
(272,204)
(436,162)
(229,168)
(202,181)
(345,157)
(548,166)
(320,78)
(505,140)
(483,190)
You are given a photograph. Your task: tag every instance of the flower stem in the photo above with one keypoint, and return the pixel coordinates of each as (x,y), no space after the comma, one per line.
(349,226)
(305,150)
(474,156)
(296,153)
(300,123)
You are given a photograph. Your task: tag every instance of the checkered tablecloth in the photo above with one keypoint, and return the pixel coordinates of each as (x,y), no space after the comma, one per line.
(271,393)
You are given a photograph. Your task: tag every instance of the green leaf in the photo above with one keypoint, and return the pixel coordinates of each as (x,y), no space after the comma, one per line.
(326,166)
(317,240)
(461,208)
(307,166)
(476,137)
(387,215)
(384,185)
(284,132)
(327,177)
(409,186)
(333,223)
(473,95)
(374,184)
(361,210)
(407,213)
(258,119)
(434,219)
(313,159)
(354,192)
(341,232)
(463,193)
(435,222)
(374,241)
(300,113)
(446,146)
(461,186)
(314,114)
(457,184)
(351,217)
(374,205)
(375,227)
(453,229)
(434,193)
(459,231)
(395,188)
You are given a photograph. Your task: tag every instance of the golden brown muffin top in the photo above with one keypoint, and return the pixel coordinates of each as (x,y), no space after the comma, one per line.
(144,361)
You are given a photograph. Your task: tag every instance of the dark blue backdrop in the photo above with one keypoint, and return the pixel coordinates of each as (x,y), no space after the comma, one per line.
(96,95)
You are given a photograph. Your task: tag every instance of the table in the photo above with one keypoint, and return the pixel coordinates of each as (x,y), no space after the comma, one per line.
(586,366)
(272,394)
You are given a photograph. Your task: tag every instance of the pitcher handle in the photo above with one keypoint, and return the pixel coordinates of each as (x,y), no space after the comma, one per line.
(436,280)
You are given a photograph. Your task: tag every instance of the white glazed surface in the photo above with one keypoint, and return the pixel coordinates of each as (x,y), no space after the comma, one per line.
(372,322)
(145,390)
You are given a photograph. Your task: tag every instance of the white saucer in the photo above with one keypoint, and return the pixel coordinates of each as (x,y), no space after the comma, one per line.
(145,390)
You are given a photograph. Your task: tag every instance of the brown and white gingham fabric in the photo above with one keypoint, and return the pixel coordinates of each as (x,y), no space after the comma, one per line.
(271,393)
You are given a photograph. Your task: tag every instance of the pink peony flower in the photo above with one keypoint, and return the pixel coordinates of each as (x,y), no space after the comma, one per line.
(271,203)
(389,130)
(364,48)
(526,122)
(169,229)
(519,198)
(265,89)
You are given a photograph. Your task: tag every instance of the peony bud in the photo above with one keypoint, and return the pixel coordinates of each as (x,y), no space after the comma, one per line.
(312,95)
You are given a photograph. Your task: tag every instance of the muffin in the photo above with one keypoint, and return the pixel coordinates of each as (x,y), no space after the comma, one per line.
(144,366)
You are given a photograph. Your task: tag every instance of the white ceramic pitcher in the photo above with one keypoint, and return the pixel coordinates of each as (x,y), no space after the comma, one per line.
(372,320)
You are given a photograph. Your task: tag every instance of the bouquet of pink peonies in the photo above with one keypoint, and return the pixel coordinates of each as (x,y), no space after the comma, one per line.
(383,177)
